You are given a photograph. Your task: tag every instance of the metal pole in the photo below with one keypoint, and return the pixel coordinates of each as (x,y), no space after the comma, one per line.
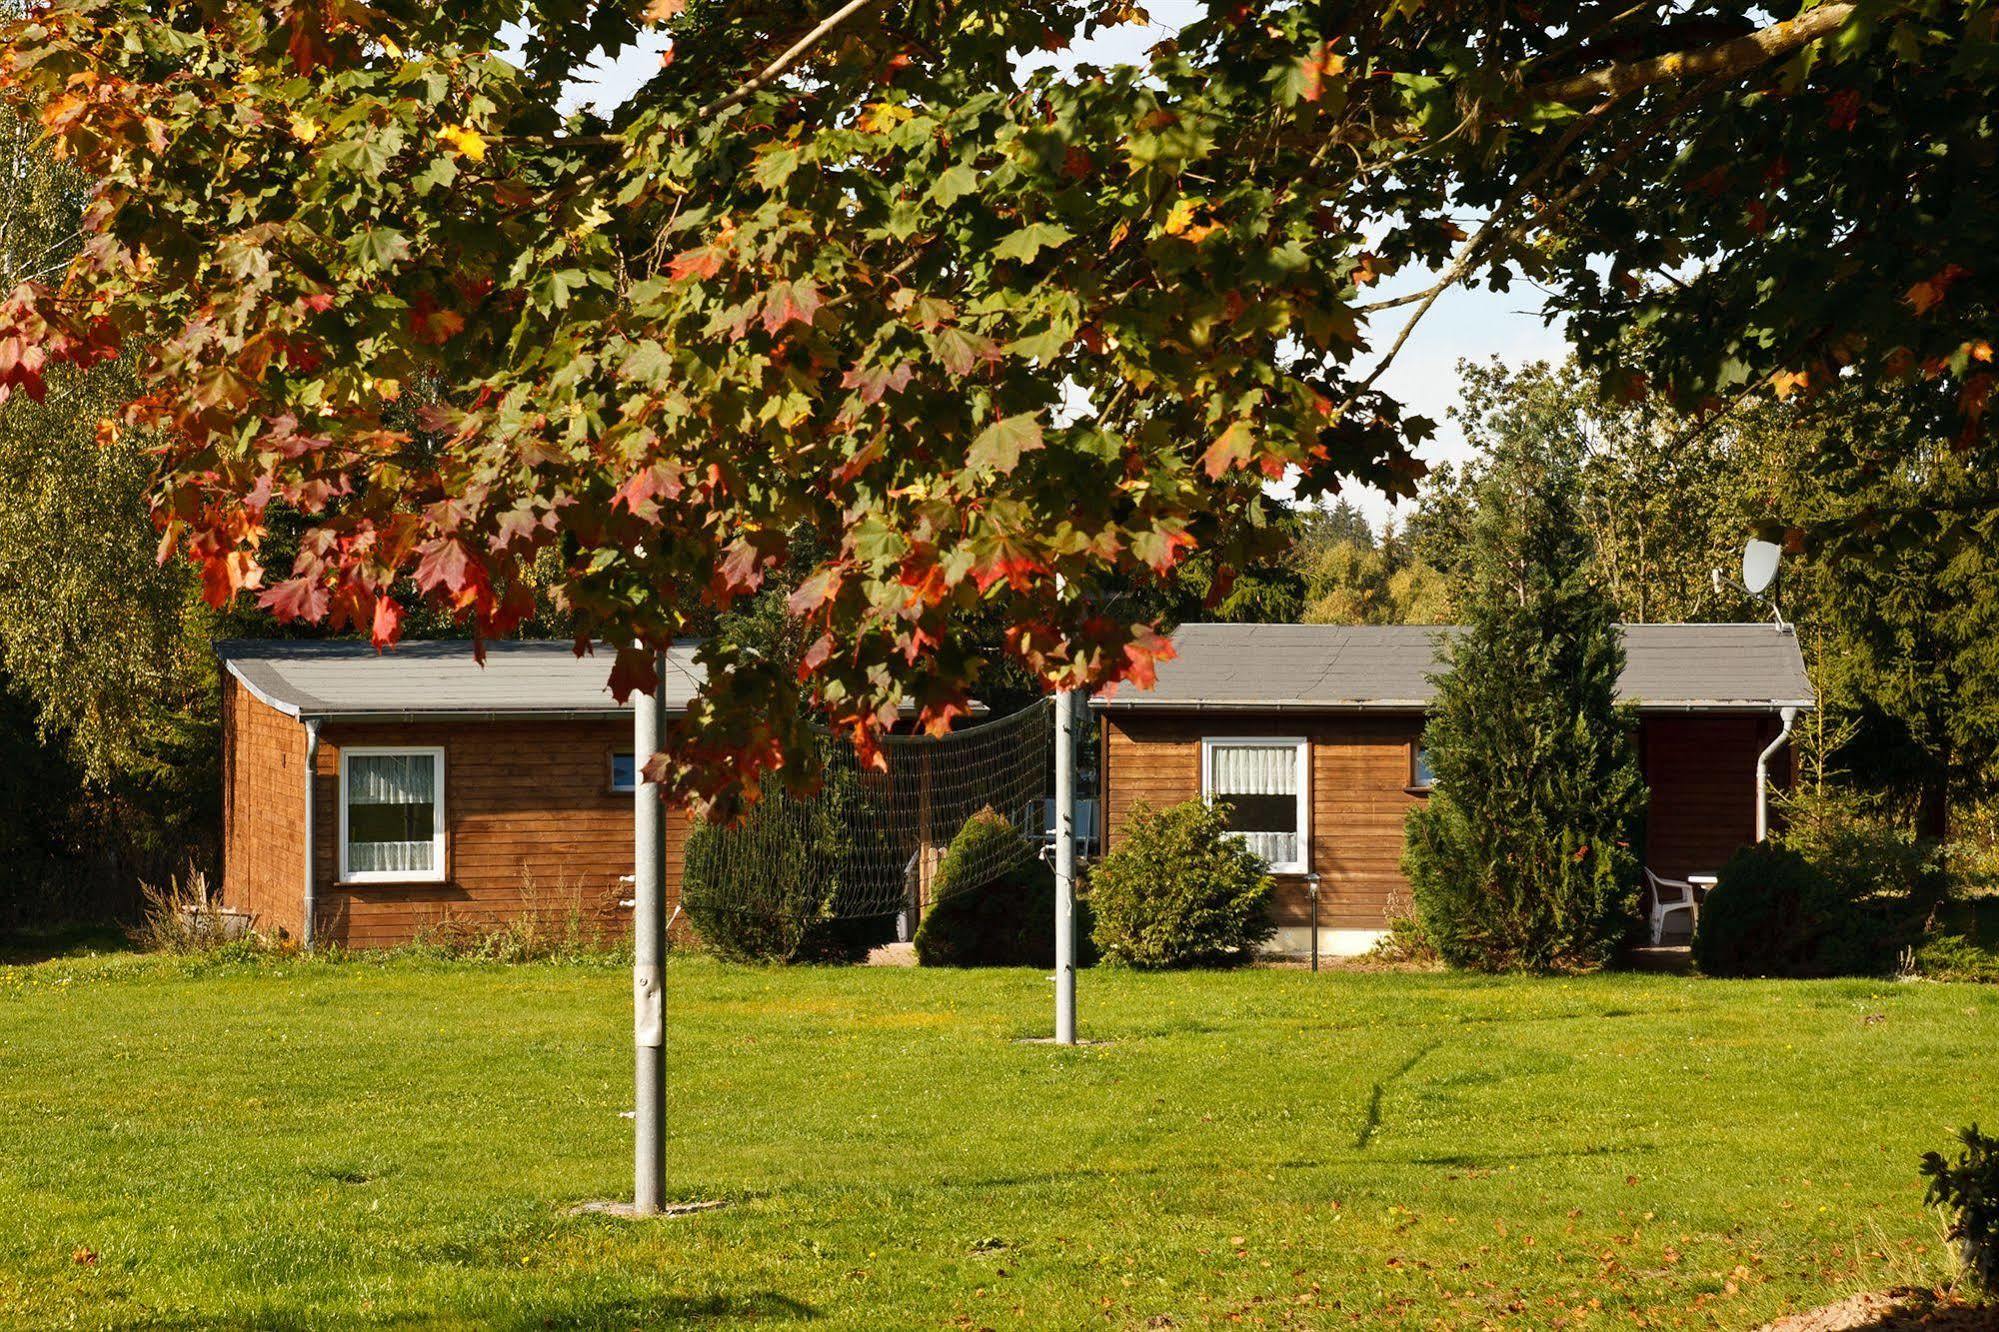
(649,953)
(1312,886)
(308,931)
(1065,868)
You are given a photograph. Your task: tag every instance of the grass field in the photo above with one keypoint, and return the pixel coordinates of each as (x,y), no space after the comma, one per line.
(310,1144)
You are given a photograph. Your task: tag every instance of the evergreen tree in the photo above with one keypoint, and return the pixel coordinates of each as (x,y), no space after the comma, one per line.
(1522,857)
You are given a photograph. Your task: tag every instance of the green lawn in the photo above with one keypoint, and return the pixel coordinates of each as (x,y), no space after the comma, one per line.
(301,1144)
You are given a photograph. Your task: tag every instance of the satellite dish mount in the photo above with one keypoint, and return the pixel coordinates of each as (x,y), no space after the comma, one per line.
(1759,574)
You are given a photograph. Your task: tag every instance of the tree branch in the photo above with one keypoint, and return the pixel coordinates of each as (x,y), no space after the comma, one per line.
(1722,61)
(790,57)
(1473,250)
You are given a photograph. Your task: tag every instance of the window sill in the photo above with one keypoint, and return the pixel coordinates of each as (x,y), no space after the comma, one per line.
(394,881)
(1418,790)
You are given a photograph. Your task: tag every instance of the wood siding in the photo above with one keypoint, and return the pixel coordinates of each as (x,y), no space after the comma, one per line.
(1702,771)
(1360,767)
(532,827)
(263,811)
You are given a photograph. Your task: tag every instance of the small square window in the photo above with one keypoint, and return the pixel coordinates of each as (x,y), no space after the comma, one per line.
(624,772)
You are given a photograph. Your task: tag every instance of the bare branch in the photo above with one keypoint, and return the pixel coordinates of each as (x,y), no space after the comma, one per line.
(1475,248)
(790,57)
(1722,61)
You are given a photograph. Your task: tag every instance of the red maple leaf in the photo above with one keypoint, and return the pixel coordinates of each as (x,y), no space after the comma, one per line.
(295,599)
(632,671)
(703,261)
(444,564)
(787,302)
(386,625)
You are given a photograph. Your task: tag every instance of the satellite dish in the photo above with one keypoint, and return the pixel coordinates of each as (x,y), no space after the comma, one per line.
(1759,566)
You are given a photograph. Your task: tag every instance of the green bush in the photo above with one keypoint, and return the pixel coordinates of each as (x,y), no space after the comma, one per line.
(1968,1190)
(1839,892)
(783,884)
(1178,890)
(992,902)
(1773,912)
(1872,855)
(1952,957)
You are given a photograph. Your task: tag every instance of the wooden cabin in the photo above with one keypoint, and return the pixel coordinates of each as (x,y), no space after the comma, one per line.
(1314,735)
(417,790)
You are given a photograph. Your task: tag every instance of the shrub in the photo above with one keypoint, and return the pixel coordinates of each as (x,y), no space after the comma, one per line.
(1968,1190)
(1950,957)
(1839,892)
(1773,912)
(781,885)
(1872,855)
(1178,890)
(993,902)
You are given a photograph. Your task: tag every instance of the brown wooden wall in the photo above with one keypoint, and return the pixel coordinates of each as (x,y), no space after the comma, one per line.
(1360,769)
(531,826)
(263,810)
(1702,771)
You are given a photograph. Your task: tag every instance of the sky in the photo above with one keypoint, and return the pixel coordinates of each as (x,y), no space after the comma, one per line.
(1463,325)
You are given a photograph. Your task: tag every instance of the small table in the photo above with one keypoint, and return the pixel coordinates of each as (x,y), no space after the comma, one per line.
(1702,884)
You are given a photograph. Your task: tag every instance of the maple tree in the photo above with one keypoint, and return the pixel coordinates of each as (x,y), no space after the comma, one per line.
(849,281)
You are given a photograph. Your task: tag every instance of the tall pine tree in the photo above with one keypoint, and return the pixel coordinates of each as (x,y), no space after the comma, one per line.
(1522,858)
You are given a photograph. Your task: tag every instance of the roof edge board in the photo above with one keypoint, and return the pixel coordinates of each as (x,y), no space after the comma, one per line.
(268,700)
(1423,705)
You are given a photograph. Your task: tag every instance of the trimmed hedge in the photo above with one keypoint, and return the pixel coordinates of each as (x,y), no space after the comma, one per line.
(982,917)
(1178,891)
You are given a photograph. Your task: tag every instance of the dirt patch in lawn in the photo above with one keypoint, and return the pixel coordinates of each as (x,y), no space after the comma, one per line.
(1904,1310)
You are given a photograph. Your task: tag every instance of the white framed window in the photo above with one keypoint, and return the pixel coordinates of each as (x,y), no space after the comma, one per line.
(391,815)
(1266,782)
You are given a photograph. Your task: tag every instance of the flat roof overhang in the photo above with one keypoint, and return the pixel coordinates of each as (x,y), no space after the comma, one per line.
(1393,707)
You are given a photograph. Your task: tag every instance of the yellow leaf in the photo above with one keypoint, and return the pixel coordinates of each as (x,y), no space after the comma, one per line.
(389,45)
(659,11)
(1179,218)
(466,140)
(883,116)
(1787,382)
(305,129)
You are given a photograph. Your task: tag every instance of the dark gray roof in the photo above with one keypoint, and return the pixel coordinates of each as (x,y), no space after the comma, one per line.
(440,679)
(1279,667)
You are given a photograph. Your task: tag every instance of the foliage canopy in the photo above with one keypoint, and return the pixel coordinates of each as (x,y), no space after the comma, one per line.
(850,273)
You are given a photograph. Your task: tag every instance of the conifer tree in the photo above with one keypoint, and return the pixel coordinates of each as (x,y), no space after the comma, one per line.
(1522,858)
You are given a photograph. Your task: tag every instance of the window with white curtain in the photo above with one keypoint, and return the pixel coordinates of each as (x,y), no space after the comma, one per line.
(391,814)
(1264,783)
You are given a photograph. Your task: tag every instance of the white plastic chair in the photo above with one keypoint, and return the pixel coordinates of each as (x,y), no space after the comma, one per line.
(1668,896)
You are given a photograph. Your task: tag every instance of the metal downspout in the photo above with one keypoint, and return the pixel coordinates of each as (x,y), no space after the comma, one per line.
(308,929)
(1789,715)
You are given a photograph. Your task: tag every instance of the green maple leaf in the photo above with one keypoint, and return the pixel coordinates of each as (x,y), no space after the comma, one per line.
(1031,239)
(379,247)
(999,445)
(954,185)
